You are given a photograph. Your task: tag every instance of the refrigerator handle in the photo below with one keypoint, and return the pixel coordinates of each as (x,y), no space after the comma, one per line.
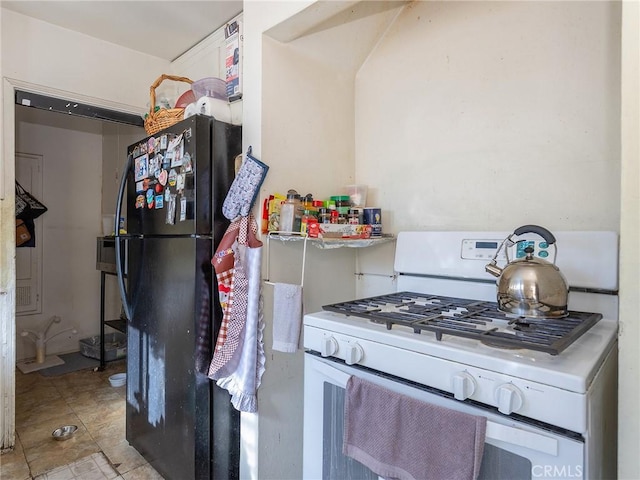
(121,193)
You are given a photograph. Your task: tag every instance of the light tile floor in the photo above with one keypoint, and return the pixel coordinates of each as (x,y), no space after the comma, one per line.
(83,398)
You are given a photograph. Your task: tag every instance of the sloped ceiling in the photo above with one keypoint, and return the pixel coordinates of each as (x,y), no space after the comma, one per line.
(164,29)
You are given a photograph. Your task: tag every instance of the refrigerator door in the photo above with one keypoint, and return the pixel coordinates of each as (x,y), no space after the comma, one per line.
(180,176)
(178,419)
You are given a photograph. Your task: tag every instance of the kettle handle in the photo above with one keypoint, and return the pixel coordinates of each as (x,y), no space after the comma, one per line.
(543,232)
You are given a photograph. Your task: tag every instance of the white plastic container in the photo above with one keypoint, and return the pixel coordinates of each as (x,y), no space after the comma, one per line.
(357,195)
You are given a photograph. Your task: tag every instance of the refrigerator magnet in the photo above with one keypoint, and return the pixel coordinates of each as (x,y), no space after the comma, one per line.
(154,166)
(168,158)
(180,182)
(150,198)
(171,210)
(159,202)
(173,175)
(141,167)
(173,144)
(140,201)
(186,163)
(183,209)
(176,161)
(167,195)
(140,187)
(163,142)
(151,145)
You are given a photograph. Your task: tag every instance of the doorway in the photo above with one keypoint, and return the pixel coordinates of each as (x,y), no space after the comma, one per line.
(7,302)
(81,163)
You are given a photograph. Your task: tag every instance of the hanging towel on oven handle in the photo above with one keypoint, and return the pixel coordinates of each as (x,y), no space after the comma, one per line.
(401,437)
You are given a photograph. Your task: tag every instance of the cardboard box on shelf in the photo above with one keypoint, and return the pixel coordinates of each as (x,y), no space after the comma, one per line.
(337,230)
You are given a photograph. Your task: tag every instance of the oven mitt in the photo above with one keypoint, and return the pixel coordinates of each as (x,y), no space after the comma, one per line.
(245,187)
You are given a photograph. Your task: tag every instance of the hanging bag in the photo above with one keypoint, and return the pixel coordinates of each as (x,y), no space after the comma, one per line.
(22,207)
(22,233)
(28,206)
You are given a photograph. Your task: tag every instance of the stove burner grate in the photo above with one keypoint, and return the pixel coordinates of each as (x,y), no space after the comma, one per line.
(473,319)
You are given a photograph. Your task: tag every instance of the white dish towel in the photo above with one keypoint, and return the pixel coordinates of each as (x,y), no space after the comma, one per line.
(287,317)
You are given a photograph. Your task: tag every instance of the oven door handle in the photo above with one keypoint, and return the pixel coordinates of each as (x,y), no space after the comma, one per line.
(495,431)
(523,438)
(336,376)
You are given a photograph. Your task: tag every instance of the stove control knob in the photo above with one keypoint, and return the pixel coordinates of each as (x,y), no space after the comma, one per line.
(353,354)
(463,385)
(328,346)
(509,398)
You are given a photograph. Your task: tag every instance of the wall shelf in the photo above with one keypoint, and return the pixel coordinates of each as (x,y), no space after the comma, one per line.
(330,243)
(322,243)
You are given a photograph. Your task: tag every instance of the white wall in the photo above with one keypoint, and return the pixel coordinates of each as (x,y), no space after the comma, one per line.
(629,386)
(72,179)
(467,115)
(56,58)
(514,122)
(115,140)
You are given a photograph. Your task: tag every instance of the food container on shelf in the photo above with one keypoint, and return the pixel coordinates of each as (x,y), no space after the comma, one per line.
(357,195)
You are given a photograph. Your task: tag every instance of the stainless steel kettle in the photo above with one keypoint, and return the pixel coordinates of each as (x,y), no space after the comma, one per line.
(531,286)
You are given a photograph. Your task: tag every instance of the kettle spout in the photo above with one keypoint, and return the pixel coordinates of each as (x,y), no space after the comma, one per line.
(493,269)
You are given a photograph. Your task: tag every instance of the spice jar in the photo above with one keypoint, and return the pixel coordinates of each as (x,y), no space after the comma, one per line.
(354,216)
(290,217)
(324,216)
(343,203)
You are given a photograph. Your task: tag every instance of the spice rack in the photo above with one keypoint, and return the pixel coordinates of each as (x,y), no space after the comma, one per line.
(329,243)
(322,243)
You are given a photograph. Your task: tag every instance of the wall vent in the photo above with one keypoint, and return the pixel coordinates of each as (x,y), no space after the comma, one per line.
(23,296)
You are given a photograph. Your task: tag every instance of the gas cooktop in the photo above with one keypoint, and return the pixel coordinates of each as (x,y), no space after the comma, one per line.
(474,319)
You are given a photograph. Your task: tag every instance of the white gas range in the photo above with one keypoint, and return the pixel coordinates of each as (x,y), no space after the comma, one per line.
(547,387)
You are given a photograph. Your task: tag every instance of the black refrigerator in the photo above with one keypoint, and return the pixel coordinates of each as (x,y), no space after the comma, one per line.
(181,422)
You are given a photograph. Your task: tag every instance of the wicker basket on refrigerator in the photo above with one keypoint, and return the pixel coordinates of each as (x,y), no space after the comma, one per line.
(162,118)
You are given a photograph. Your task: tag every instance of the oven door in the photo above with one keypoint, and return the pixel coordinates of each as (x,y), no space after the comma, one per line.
(513,449)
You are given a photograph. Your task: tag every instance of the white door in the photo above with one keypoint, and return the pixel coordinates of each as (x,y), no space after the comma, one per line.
(29,259)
